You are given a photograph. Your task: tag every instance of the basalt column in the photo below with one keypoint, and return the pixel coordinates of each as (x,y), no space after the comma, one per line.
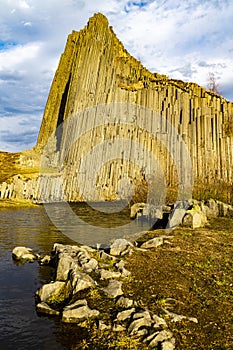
(97,79)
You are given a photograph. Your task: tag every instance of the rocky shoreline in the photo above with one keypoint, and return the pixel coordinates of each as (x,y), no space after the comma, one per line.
(89,285)
(85,276)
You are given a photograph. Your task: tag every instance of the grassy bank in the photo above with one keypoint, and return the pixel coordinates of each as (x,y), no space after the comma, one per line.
(192,276)
(13,203)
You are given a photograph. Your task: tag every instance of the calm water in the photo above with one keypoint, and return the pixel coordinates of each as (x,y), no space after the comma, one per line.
(20,326)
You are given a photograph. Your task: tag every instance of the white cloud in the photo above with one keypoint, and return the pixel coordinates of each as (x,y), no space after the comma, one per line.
(15,56)
(23,4)
(183,39)
(27,24)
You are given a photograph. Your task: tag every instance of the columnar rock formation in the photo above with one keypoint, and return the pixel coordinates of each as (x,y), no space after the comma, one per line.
(110,99)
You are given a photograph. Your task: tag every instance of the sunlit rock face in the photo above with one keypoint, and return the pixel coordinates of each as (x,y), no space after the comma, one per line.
(109,125)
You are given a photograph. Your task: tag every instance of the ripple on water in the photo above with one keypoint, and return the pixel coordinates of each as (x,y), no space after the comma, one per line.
(20,327)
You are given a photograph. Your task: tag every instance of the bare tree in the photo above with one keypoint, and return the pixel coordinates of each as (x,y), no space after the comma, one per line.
(212,85)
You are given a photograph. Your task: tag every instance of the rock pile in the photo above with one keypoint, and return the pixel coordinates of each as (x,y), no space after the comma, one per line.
(189,213)
(83,272)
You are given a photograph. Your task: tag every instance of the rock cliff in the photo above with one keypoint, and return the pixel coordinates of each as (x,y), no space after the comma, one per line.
(105,106)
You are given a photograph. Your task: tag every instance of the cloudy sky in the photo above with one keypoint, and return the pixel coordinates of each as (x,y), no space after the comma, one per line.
(184,39)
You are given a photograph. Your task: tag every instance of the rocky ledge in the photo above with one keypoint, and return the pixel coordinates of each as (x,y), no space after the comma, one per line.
(88,290)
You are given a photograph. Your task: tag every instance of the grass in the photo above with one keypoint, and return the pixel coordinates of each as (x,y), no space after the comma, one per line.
(10,166)
(192,276)
(221,191)
(16,203)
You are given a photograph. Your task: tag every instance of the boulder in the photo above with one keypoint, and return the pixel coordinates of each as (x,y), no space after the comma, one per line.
(105,274)
(45,260)
(194,218)
(142,314)
(136,209)
(80,281)
(155,242)
(65,264)
(124,272)
(176,218)
(139,322)
(124,303)
(54,293)
(169,344)
(121,267)
(83,257)
(118,328)
(46,309)
(71,250)
(120,247)
(152,212)
(90,265)
(158,322)
(158,337)
(103,326)
(113,289)
(212,209)
(105,256)
(124,315)
(225,210)
(78,312)
(23,254)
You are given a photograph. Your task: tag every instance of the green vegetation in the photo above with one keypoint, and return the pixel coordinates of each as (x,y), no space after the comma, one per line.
(192,276)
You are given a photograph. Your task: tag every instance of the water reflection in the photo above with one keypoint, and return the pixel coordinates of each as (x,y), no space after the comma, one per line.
(20,326)
(90,226)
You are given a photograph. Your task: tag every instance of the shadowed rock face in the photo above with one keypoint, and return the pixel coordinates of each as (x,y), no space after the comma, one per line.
(103,103)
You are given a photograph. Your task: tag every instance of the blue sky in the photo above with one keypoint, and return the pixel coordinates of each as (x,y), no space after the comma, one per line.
(184,39)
